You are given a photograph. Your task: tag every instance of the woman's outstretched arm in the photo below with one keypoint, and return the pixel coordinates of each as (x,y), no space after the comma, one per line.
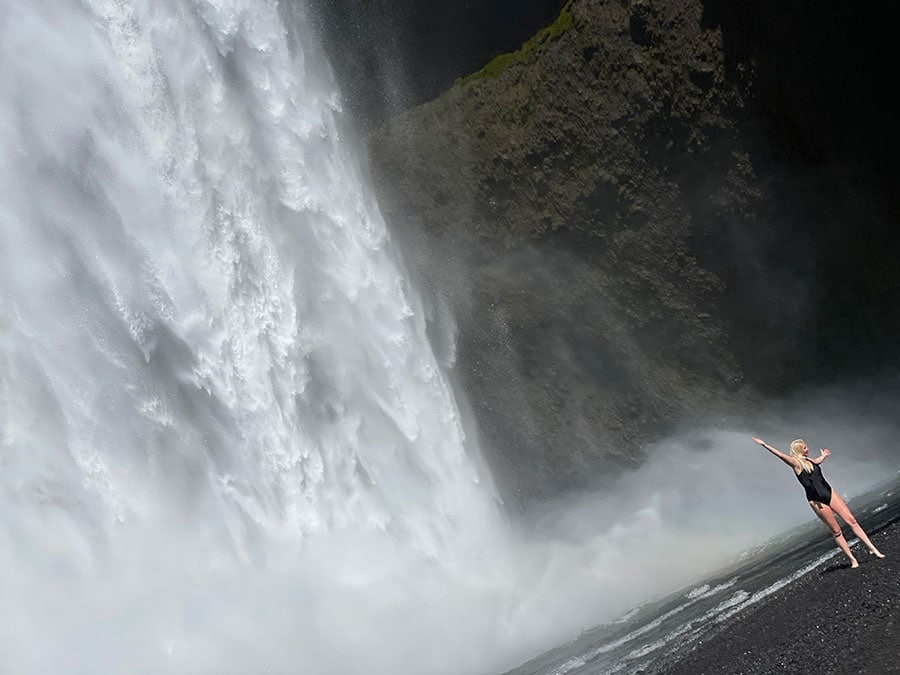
(821,458)
(787,459)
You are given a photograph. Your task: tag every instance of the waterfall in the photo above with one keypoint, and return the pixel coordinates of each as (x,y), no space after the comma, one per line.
(225,443)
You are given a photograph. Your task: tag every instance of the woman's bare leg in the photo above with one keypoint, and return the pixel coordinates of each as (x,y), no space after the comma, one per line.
(828,518)
(840,507)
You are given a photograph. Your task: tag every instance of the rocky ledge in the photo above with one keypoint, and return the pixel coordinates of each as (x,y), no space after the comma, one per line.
(594,213)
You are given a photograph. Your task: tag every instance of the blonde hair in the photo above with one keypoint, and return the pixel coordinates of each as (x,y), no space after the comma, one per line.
(797,453)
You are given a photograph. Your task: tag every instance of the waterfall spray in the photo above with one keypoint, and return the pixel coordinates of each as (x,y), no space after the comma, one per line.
(225,443)
(214,378)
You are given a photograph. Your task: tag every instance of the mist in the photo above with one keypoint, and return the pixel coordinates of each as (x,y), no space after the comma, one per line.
(165,595)
(231,436)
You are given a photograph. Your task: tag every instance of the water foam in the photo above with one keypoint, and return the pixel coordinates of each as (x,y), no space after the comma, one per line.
(217,390)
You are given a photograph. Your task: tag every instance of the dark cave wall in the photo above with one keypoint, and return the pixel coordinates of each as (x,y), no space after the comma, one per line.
(670,212)
(392,54)
(819,81)
(553,207)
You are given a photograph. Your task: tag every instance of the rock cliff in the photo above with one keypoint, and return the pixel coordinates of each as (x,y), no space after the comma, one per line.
(594,212)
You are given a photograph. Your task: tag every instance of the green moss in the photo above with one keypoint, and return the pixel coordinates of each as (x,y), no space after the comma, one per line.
(543,38)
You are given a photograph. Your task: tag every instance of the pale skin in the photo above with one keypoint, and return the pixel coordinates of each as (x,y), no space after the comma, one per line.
(826,512)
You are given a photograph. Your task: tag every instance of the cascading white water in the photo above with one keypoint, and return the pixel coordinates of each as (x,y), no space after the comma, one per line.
(225,444)
(217,395)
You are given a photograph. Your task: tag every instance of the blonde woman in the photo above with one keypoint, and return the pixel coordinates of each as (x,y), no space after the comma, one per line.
(824,501)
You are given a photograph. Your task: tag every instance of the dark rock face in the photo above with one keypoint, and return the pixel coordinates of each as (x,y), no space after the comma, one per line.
(391,54)
(818,79)
(552,207)
(617,252)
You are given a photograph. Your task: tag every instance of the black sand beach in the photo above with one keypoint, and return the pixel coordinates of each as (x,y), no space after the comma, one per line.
(833,620)
(792,604)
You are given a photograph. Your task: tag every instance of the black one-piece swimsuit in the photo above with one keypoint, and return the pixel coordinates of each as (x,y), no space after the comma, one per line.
(817,488)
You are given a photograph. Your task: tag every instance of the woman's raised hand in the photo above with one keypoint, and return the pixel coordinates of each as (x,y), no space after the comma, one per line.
(825,452)
(758,440)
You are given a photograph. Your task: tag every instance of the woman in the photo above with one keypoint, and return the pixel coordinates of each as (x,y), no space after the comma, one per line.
(823,500)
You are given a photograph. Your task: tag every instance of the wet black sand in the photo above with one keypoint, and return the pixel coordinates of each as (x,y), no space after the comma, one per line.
(832,620)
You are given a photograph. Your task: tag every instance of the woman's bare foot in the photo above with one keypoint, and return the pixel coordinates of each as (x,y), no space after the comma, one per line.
(854,563)
(876,553)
